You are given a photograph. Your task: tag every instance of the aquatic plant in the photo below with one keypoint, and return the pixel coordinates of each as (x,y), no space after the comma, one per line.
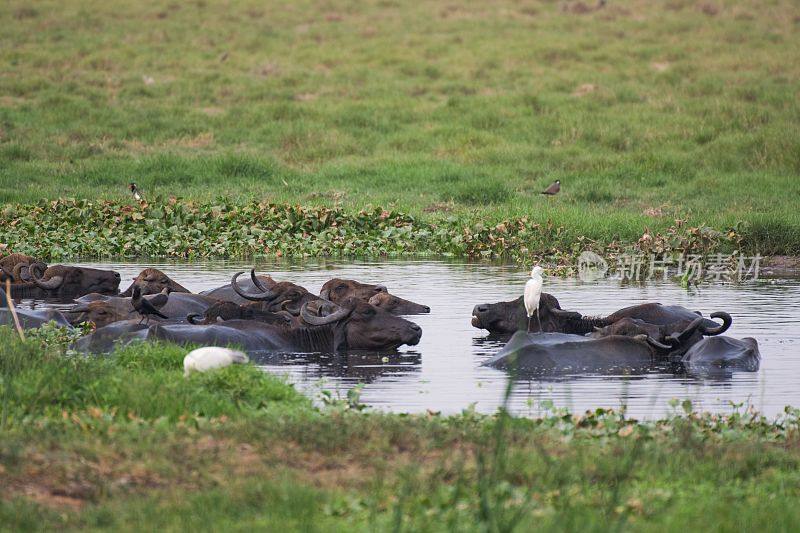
(67,229)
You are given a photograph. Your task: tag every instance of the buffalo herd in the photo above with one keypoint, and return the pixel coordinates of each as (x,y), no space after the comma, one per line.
(261,314)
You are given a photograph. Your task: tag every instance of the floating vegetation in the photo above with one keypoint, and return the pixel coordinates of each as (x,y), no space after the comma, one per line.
(67,229)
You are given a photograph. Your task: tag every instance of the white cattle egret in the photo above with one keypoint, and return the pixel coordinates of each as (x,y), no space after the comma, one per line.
(209,358)
(533,291)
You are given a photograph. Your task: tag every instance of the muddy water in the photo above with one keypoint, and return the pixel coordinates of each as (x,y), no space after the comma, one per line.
(444,372)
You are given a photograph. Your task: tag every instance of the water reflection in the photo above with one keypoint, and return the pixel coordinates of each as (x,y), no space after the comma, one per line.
(357,367)
(444,372)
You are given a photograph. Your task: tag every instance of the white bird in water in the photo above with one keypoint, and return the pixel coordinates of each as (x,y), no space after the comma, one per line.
(533,291)
(210,358)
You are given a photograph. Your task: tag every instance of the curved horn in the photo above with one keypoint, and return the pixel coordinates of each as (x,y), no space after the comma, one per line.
(51,284)
(18,273)
(656,344)
(256,281)
(727,320)
(80,308)
(191,318)
(265,297)
(688,331)
(308,318)
(37,268)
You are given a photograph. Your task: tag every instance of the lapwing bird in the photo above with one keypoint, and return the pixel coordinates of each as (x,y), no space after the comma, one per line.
(136,194)
(143,306)
(553,188)
(533,292)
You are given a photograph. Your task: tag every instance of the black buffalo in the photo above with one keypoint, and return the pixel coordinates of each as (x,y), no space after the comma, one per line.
(18,267)
(221,311)
(274,297)
(153,281)
(680,335)
(338,290)
(563,352)
(62,281)
(103,310)
(505,318)
(227,292)
(718,353)
(354,325)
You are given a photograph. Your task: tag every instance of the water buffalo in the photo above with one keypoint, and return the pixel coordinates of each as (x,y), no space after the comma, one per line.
(680,335)
(29,318)
(562,352)
(153,281)
(60,281)
(18,267)
(398,306)
(723,353)
(222,311)
(104,310)
(505,318)
(355,325)
(104,339)
(278,296)
(338,290)
(228,294)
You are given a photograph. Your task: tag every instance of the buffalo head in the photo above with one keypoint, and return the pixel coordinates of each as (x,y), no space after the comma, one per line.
(153,281)
(362,326)
(505,318)
(397,306)
(77,280)
(337,290)
(18,267)
(274,297)
(675,338)
(100,312)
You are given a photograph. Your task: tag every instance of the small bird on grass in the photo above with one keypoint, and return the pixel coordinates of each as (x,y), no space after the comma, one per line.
(144,307)
(135,191)
(533,292)
(553,189)
(210,358)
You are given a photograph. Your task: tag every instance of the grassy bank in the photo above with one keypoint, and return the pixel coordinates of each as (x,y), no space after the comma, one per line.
(125,442)
(644,112)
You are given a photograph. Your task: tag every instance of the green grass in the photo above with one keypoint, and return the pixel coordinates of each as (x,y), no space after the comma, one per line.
(645,112)
(125,442)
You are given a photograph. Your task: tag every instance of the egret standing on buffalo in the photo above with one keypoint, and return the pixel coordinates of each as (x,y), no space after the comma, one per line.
(533,291)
